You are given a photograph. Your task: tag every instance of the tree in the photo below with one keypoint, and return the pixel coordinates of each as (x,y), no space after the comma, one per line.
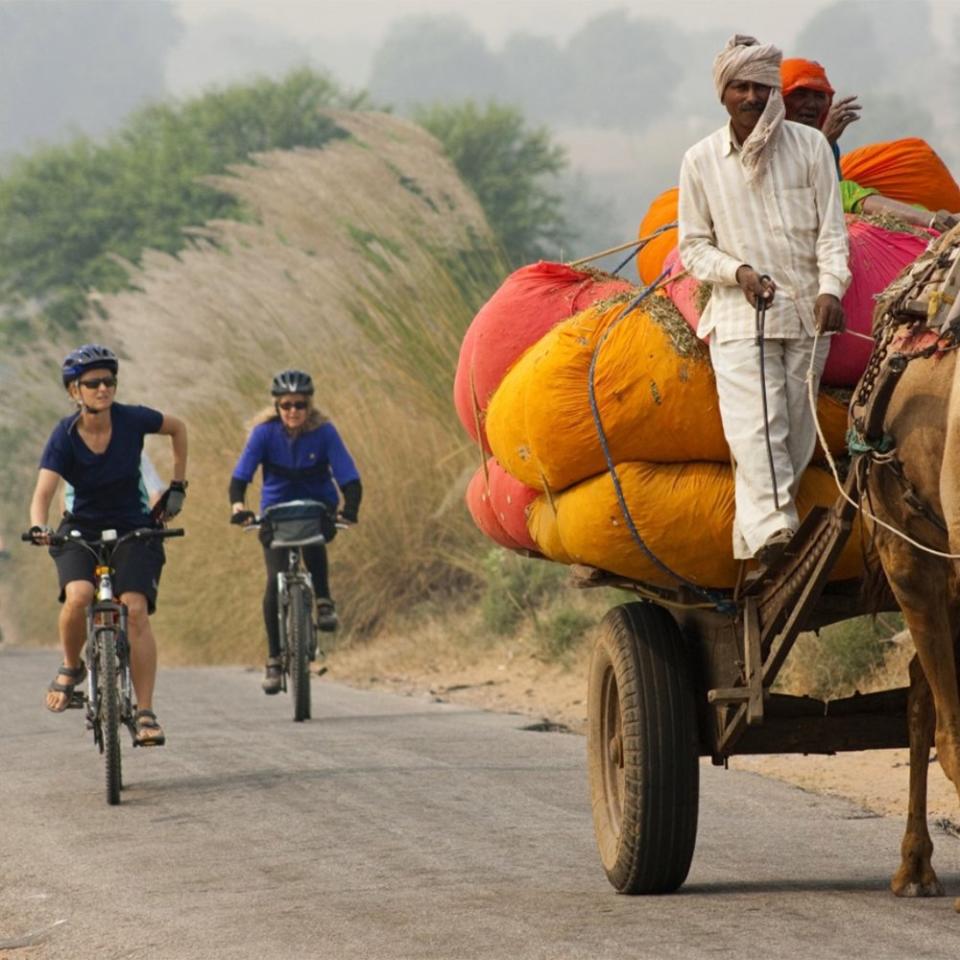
(426,58)
(67,212)
(509,167)
(619,71)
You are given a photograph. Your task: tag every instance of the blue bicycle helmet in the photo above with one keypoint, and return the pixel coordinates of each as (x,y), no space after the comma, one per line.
(292,381)
(88,357)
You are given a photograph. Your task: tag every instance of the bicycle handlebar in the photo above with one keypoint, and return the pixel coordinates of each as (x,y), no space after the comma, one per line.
(144,533)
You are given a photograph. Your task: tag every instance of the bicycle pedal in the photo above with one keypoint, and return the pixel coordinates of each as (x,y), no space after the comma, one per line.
(78,700)
(321,671)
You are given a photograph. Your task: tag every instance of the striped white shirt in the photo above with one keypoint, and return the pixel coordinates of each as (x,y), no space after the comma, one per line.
(788,224)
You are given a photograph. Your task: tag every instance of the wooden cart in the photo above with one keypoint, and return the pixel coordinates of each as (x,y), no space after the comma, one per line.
(671,682)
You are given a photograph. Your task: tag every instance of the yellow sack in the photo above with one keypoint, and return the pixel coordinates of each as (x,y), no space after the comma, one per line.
(655,391)
(684,514)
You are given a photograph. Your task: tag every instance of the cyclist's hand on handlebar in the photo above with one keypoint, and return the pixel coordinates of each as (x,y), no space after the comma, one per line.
(243,518)
(40,534)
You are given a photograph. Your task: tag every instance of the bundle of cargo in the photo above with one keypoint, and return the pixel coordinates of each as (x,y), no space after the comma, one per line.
(655,397)
(654,391)
(877,254)
(528,303)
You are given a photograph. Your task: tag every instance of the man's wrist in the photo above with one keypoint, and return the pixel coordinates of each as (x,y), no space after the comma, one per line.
(180,485)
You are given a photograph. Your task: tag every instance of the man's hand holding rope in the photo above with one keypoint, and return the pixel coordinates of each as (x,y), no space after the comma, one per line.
(828,314)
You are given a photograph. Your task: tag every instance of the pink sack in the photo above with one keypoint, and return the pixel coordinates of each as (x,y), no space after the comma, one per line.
(682,290)
(499,507)
(876,257)
(528,303)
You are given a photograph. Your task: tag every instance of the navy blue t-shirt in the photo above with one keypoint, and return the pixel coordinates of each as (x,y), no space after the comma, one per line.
(107,493)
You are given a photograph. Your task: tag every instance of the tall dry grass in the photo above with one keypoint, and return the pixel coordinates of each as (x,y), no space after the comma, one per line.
(366,261)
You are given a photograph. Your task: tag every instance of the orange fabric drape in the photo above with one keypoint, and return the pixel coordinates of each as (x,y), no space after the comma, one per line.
(908,170)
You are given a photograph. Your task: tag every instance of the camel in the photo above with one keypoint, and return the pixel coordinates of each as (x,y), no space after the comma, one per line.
(915,488)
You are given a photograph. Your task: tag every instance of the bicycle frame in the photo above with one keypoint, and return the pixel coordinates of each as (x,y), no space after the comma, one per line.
(296,573)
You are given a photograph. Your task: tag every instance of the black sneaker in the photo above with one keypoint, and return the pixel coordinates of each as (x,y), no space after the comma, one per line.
(327,619)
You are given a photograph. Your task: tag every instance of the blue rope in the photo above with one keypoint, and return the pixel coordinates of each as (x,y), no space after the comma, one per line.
(640,244)
(720,602)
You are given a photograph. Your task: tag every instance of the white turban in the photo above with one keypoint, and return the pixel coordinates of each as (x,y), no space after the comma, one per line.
(744,58)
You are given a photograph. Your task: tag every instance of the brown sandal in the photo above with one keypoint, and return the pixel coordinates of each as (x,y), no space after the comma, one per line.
(149,732)
(76,674)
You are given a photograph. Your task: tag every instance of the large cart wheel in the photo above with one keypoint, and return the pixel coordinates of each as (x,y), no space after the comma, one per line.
(643,750)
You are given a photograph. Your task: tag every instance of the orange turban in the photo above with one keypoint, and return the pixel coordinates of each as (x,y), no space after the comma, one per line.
(796,73)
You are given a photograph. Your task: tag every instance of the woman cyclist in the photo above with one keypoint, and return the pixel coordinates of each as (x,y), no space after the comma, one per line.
(97,450)
(303,458)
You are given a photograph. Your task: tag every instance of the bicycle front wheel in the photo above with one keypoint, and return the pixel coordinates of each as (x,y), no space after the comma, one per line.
(299,627)
(109,700)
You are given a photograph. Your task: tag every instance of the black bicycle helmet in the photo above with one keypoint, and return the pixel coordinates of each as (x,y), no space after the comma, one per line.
(292,381)
(88,357)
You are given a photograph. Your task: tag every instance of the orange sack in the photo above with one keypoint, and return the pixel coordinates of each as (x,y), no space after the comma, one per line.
(682,511)
(908,170)
(662,211)
(654,389)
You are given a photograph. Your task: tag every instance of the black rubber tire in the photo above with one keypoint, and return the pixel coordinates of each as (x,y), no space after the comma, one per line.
(643,750)
(298,636)
(109,697)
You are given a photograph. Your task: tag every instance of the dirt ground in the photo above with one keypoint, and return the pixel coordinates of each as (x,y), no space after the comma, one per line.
(508,677)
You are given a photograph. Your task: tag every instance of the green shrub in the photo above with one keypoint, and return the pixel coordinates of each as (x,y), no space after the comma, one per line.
(562,632)
(515,588)
(839,659)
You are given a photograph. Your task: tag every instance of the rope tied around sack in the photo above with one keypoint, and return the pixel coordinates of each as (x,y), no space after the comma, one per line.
(717,600)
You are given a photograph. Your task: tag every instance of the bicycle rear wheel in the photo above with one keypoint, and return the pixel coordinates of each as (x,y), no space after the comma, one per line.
(110,714)
(298,636)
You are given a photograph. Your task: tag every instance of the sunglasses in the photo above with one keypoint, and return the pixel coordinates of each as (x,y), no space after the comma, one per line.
(293,405)
(95,382)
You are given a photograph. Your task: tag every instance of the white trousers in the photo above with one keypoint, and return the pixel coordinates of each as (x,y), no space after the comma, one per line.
(793,434)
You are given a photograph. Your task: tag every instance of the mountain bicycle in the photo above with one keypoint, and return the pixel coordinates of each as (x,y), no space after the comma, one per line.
(107,652)
(292,525)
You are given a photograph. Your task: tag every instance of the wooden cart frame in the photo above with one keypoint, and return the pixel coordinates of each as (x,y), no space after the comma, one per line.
(671,682)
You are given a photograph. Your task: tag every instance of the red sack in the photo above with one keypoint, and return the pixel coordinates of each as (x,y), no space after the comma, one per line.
(528,303)
(499,508)
(908,170)
(662,211)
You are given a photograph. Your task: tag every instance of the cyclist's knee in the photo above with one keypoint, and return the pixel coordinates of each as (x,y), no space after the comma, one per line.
(78,594)
(137,610)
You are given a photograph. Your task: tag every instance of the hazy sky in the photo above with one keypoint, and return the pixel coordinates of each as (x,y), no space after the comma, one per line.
(496,19)
(344,34)
(774,20)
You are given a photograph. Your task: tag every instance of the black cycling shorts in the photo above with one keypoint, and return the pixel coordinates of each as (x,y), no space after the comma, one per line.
(138,564)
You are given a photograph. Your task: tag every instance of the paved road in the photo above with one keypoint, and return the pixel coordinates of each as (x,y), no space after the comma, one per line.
(393,827)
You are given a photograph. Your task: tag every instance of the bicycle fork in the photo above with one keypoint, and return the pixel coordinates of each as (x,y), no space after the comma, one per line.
(107,614)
